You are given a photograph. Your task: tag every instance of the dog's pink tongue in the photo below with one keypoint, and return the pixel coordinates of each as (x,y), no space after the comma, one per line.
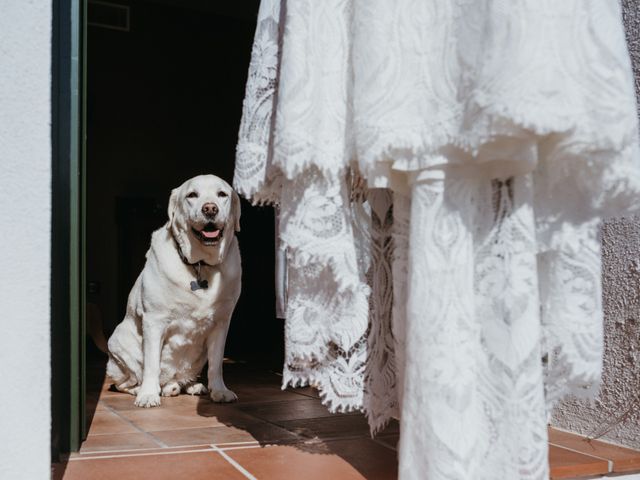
(213,234)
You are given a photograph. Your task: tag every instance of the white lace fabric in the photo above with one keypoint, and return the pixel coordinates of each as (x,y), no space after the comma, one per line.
(441,169)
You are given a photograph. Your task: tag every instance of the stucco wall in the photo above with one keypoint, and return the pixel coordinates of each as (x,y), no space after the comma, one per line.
(25,177)
(616,412)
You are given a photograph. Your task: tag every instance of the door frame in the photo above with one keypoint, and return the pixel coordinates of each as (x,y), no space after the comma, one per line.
(68,279)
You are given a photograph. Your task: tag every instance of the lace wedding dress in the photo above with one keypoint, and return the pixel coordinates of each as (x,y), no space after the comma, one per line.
(441,169)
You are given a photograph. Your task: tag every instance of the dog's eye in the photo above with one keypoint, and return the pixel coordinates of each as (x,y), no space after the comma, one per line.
(222,194)
(193,195)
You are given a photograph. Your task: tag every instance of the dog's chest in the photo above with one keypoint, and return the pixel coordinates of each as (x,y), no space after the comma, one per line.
(200,304)
(193,323)
(188,331)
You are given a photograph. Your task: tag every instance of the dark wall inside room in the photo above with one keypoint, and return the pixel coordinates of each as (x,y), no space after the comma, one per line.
(164,104)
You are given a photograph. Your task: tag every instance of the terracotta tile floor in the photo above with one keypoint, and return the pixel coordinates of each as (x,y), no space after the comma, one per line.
(267,435)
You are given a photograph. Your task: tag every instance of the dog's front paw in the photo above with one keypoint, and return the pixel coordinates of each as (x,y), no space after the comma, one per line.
(147,399)
(223,396)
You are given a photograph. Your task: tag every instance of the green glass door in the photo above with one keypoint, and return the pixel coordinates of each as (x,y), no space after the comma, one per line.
(68,220)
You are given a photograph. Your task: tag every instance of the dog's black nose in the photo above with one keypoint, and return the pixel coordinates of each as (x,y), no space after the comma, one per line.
(210,209)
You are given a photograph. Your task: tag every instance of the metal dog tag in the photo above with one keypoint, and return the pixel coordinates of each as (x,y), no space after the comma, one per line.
(199,284)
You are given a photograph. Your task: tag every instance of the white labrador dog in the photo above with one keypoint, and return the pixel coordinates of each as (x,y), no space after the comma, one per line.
(179,309)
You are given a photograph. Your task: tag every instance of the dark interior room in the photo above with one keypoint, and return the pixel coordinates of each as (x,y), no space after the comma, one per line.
(165,83)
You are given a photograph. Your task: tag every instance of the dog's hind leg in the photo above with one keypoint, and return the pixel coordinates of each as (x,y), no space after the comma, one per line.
(195,388)
(125,357)
(189,382)
(171,389)
(123,379)
(130,386)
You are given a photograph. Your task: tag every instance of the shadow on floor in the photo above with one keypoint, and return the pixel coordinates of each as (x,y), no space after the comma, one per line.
(296,421)
(269,432)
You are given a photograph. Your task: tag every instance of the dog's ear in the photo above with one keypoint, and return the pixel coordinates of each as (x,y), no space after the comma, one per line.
(235,210)
(173,205)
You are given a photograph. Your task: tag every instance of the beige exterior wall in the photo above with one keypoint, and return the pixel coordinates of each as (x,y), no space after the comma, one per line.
(616,412)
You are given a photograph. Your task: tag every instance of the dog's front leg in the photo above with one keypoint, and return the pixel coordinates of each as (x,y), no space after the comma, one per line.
(152,337)
(215,353)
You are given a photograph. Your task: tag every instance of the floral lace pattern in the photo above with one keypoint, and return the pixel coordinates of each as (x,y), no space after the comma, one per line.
(255,177)
(440,192)
(325,327)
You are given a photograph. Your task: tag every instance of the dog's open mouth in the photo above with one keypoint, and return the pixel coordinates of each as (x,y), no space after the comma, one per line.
(210,235)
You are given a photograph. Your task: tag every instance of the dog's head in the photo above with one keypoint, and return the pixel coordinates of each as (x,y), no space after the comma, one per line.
(203,213)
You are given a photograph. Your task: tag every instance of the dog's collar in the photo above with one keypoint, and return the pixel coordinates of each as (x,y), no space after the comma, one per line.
(200,263)
(199,283)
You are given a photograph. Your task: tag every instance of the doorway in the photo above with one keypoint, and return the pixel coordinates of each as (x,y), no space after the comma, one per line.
(165,84)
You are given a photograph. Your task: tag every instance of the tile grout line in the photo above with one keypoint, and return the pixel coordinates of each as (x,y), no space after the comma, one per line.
(384,444)
(609,462)
(172,447)
(237,443)
(233,463)
(307,395)
(159,451)
(162,451)
(147,454)
(150,432)
(156,440)
(243,447)
(136,450)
